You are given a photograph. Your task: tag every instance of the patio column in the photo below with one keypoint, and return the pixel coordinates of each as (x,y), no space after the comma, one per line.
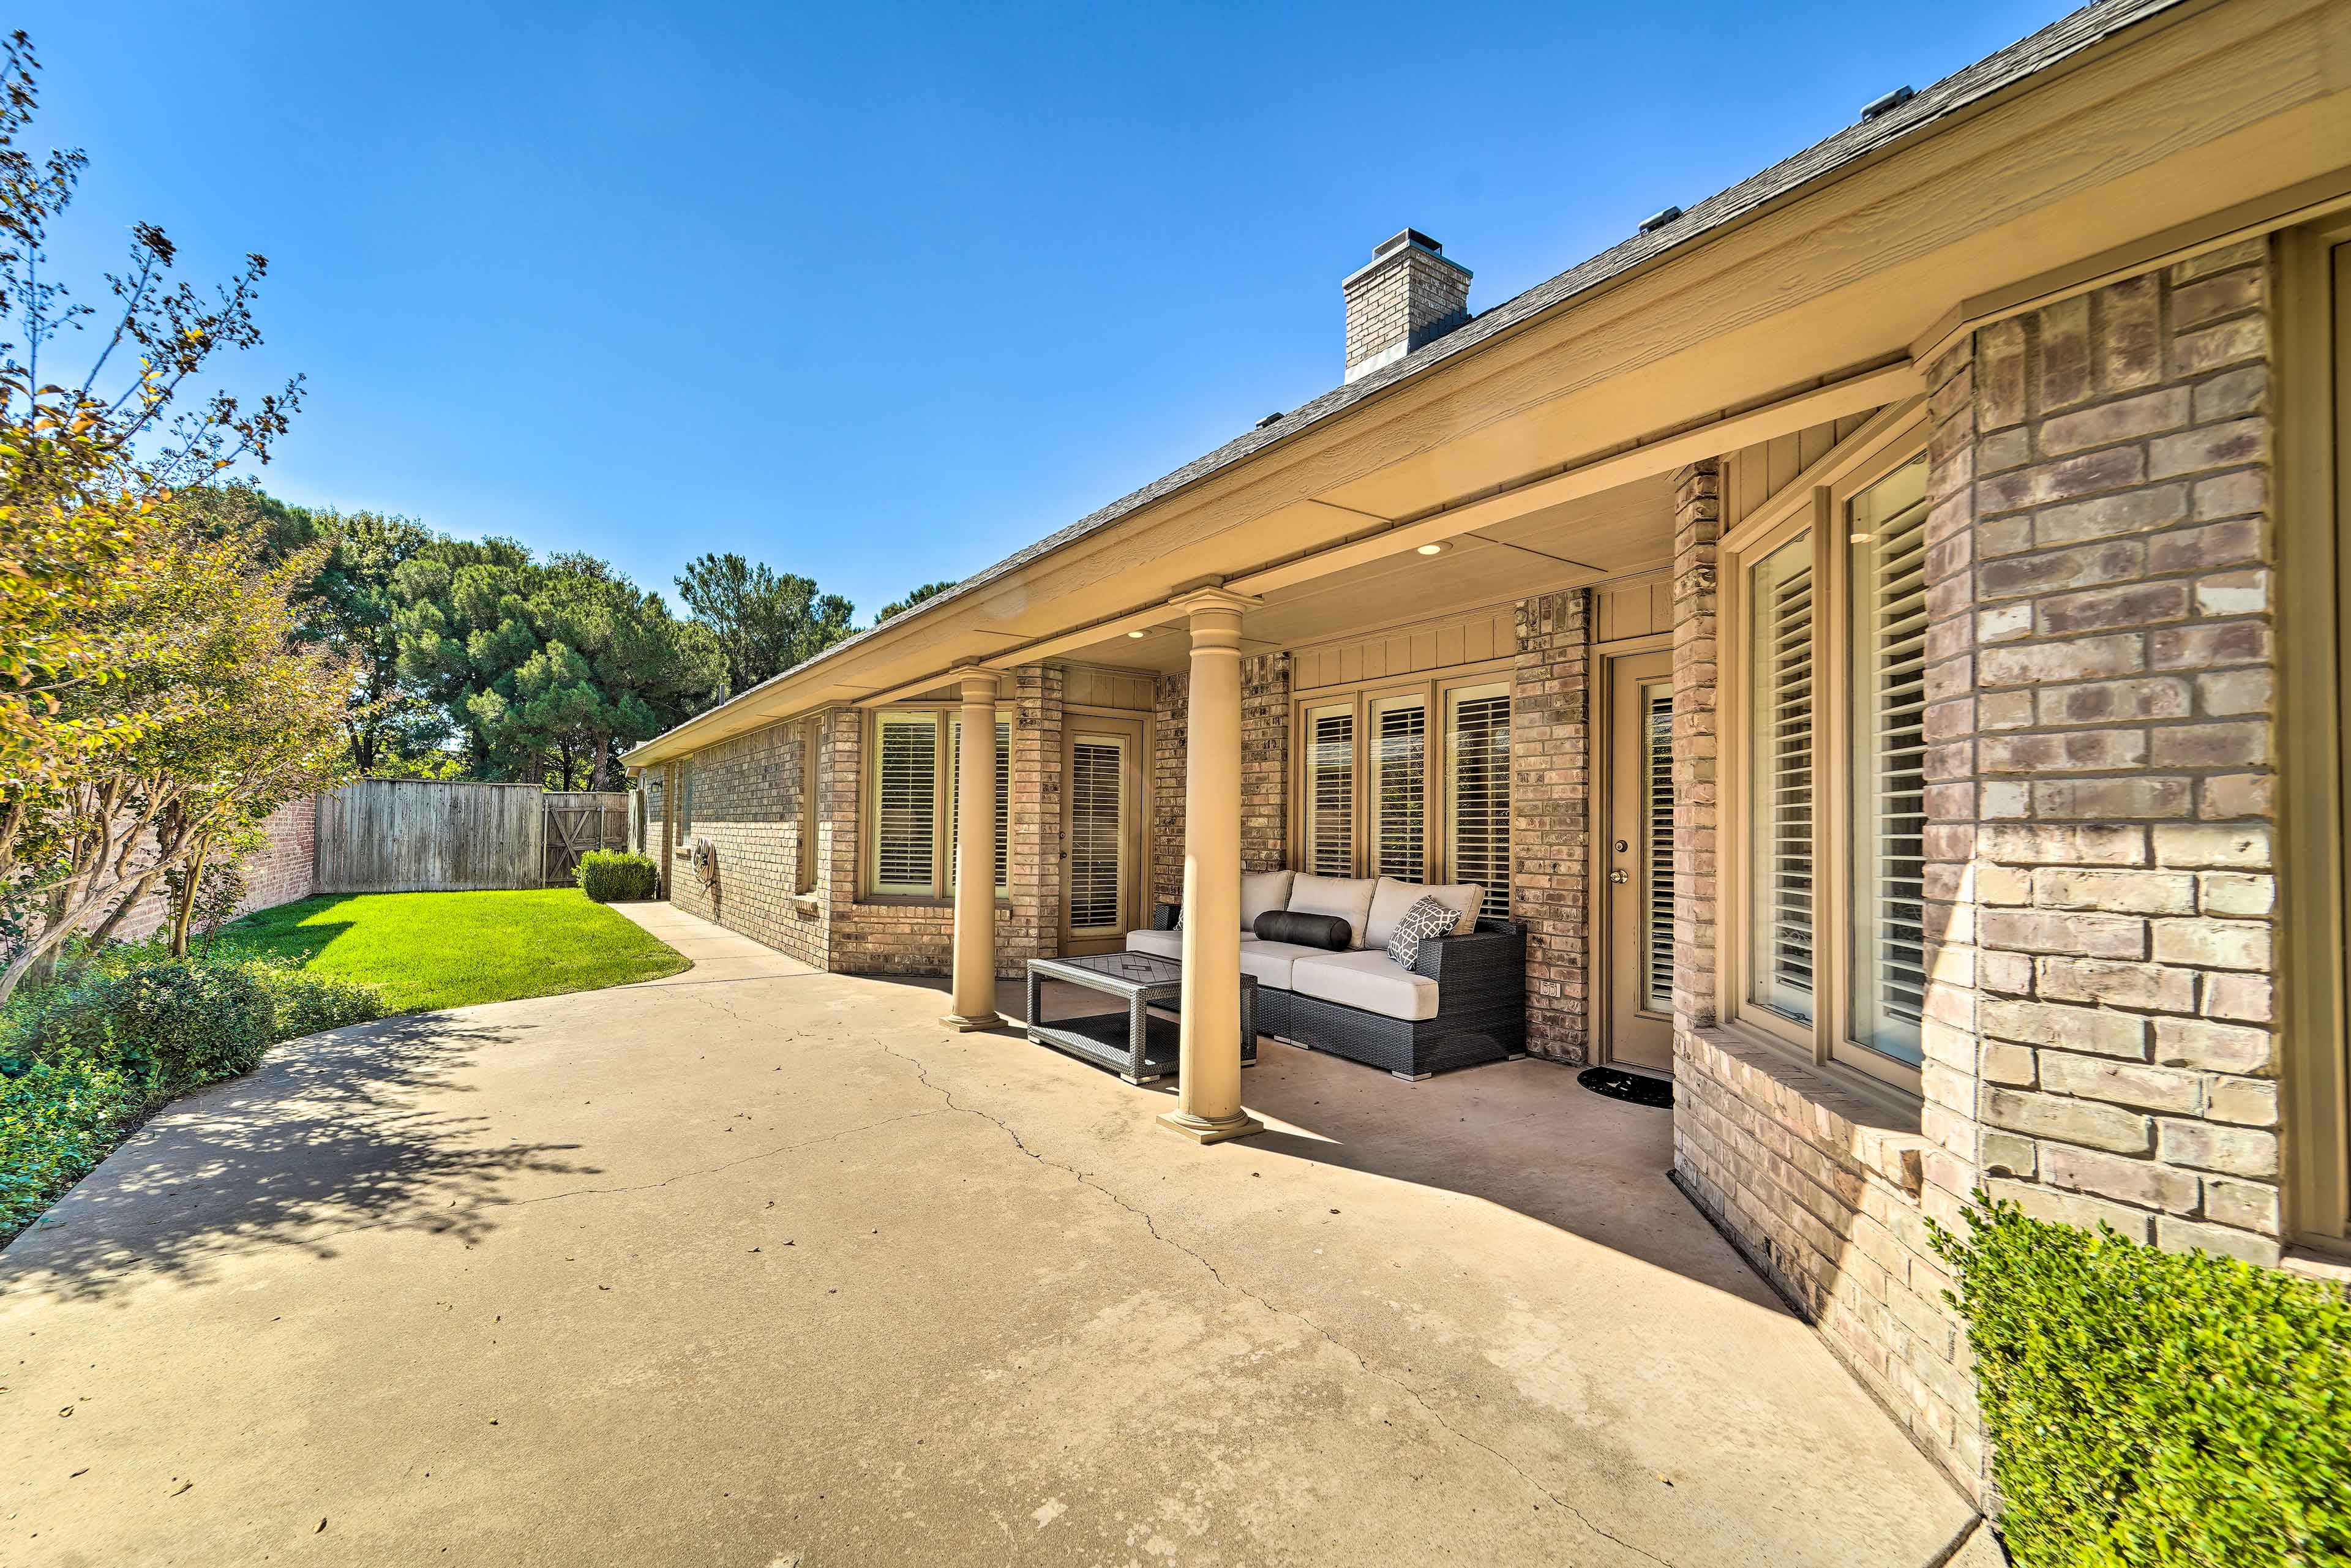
(1208,1093)
(975,892)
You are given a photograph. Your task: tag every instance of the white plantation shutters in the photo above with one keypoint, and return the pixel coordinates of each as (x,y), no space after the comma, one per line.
(1781,756)
(1400,787)
(1331,792)
(954,765)
(1478,794)
(1097,832)
(1657,848)
(905,803)
(1889,753)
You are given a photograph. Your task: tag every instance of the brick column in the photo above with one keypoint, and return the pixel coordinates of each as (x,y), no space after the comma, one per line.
(1551,817)
(1265,762)
(1033,928)
(1697,532)
(2125,758)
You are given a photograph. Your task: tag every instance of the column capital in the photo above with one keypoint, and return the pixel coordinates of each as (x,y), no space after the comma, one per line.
(1213,600)
(977,683)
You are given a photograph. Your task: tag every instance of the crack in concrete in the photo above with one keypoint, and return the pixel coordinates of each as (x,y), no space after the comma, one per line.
(921,1072)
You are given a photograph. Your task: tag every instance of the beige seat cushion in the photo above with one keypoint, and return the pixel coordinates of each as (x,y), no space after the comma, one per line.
(1261,891)
(1165,944)
(1270,962)
(1371,981)
(1348,898)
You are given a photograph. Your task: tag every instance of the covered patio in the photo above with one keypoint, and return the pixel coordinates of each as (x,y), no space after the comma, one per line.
(757,1265)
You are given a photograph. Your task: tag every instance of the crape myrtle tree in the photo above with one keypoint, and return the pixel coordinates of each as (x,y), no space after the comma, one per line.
(151,691)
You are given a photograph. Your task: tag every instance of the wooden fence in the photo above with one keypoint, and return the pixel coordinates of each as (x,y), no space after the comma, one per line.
(411,835)
(578,820)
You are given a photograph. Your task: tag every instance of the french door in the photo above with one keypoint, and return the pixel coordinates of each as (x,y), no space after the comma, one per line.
(1104,870)
(1638,857)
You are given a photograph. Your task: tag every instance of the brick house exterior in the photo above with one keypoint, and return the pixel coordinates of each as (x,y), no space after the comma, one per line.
(2100,680)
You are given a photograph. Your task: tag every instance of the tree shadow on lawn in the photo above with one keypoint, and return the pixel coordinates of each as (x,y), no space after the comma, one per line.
(325,1137)
(301,943)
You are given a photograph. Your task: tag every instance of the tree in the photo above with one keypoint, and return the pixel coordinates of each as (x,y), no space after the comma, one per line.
(900,606)
(352,607)
(242,716)
(99,637)
(84,464)
(765,622)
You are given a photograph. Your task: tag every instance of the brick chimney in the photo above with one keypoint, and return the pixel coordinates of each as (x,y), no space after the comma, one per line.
(1409,295)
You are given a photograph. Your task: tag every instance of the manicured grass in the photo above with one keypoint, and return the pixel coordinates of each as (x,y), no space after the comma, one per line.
(434,950)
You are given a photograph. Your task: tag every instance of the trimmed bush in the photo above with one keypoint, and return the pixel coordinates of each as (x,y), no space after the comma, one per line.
(129,1027)
(2148,1408)
(611,876)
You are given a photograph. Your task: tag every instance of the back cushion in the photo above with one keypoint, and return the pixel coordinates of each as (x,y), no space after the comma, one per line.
(1261,891)
(1464,898)
(1349,898)
(1390,899)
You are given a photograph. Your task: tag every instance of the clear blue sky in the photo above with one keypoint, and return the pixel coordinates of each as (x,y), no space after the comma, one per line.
(878,293)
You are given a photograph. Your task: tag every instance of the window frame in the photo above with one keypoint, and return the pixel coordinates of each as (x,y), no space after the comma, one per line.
(946,718)
(1435,691)
(1821,509)
(2312,852)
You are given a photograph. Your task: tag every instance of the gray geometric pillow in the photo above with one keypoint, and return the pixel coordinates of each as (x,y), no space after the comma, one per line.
(1426,919)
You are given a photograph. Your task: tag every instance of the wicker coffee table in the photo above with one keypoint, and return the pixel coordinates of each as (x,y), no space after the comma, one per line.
(1131,1043)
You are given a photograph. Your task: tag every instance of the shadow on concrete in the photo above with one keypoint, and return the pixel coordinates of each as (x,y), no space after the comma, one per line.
(323,1138)
(1523,1136)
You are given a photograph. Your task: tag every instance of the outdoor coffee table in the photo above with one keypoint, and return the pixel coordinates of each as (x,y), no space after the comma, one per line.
(1131,1043)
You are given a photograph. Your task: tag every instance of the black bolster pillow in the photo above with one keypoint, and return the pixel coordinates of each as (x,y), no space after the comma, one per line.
(1327,931)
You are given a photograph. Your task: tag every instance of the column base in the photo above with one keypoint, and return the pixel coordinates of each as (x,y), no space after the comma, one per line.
(1201,1130)
(963,1025)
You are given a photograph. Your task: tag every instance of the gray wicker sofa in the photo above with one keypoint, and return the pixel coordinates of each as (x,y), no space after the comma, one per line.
(1462,1002)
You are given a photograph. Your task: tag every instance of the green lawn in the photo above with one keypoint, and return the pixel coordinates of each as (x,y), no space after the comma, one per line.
(434,950)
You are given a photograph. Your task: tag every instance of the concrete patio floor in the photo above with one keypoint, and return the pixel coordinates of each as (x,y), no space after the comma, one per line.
(758,1266)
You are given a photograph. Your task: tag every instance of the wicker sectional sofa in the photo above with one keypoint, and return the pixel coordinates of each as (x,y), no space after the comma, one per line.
(1462,1002)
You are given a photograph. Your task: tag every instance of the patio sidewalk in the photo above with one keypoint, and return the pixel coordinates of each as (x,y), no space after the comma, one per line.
(759,1265)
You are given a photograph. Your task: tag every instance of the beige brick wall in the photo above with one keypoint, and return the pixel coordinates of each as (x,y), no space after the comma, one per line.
(284,869)
(747,802)
(2122,728)
(1551,817)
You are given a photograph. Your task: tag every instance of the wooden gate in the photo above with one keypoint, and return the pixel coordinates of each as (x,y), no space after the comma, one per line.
(579,820)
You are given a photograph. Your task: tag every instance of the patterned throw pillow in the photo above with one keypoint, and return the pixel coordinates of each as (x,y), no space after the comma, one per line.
(1426,919)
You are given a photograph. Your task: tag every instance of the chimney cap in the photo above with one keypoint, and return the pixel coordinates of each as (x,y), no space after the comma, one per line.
(1404,237)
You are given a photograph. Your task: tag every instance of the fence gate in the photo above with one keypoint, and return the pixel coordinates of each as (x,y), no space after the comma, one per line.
(581,821)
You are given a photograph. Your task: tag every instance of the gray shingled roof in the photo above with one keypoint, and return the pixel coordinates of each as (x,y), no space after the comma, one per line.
(2067,36)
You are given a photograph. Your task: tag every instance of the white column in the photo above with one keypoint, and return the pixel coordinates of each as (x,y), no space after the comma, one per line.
(1208,1093)
(975,894)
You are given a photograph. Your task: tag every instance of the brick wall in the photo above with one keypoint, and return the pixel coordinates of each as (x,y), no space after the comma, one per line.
(1551,817)
(1265,773)
(747,802)
(283,870)
(1415,297)
(2124,752)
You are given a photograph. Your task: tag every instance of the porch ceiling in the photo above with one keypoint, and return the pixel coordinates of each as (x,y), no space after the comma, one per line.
(1625,529)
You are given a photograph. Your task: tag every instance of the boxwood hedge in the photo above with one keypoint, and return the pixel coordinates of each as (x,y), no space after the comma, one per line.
(2147,1408)
(610,876)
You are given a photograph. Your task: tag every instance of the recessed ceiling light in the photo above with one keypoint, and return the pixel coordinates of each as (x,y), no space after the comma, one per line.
(1435,549)
(1135,634)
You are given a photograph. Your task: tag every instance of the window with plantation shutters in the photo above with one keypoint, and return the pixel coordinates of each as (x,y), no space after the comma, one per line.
(1478,794)
(1781,715)
(1400,787)
(1331,792)
(1887,578)
(1657,848)
(906,803)
(954,766)
(1097,785)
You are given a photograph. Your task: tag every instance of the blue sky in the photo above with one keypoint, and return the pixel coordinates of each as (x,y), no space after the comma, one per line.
(881,294)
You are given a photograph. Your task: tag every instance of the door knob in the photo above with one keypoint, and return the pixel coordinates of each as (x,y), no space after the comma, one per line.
(1620,876)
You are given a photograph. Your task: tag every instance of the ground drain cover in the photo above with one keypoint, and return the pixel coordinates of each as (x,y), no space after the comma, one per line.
(1640,1090)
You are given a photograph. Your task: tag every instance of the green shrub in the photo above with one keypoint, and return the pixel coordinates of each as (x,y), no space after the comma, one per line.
(127,1028)
(59,1117)
(610,876)
(2148,1408)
